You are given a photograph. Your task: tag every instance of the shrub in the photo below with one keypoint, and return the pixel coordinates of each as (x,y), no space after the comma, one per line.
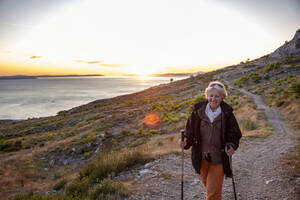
(249,125)
(272,66)
(60,184)
(266,76)
(295,89)
(166,175)
(242,81)
(114,162)
(78,188)
(70,134)
(152,132)
(87,154)
(252,105)
(160,143)
(196,100)
(8,146)
(276,90)
(255,77)
(108,125)
(90,138)
(107,188)
(279,102)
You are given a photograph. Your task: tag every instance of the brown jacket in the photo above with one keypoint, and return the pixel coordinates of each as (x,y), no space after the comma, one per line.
(210,134)
(230,134)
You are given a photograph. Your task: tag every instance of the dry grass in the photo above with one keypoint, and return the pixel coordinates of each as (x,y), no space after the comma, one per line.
(259,126)
(169,145)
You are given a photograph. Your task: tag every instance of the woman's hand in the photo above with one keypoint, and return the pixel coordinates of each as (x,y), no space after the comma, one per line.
(182,143)
(230,151)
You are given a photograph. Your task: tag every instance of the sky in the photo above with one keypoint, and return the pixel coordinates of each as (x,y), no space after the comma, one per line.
(117,37)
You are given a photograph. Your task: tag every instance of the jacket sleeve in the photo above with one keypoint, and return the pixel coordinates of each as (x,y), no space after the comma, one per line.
(234,133)
(189,131)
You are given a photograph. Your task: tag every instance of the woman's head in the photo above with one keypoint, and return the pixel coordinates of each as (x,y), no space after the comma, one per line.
(215,93)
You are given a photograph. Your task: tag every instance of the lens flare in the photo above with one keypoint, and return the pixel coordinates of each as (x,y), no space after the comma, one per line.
(151,119)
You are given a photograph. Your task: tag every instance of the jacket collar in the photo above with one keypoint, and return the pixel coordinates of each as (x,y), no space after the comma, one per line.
(226,108)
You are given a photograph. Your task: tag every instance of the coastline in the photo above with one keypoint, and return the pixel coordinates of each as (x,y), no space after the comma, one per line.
(44,76)
(99,99)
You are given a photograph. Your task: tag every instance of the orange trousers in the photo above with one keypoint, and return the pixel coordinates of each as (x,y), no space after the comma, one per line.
(212,177)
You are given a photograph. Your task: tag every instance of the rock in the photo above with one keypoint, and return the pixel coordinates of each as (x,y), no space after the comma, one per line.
(51,162)
(268,181)
(144,171)
(147,165)
(65,162)
(46,169)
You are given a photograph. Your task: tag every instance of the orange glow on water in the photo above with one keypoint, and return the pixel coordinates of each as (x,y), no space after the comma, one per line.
(151,119)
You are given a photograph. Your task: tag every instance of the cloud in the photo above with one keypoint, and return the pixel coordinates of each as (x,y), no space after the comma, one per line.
(88,62)
(35,57)
(100,63)
(111,65)
(94,62)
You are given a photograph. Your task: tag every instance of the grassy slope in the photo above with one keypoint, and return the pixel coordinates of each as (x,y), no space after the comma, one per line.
(37,153)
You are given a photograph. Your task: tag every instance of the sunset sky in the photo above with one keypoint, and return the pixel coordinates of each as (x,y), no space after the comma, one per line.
(117,37)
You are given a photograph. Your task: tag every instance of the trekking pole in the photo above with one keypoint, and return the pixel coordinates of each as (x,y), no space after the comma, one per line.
(182,150)
(233,184)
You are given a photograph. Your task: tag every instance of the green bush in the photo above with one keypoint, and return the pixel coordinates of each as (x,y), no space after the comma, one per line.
(60,184)
(295,89)
(87,154)
(276,90)
(196,100)
(244,79)
(8,146)
(78,188)
(279,102)
(160,143)
(108,189)
(249,125)
(114,162)
(152,132)
(272,66)
(70,134)
(266,76)
(255,77)
(90,138)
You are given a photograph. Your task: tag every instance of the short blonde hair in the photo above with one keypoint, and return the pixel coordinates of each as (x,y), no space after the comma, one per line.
(218,86)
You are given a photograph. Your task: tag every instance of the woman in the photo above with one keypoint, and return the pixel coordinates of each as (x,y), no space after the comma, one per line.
(214,134)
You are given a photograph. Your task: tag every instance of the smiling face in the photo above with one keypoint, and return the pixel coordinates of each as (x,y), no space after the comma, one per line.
(214,98)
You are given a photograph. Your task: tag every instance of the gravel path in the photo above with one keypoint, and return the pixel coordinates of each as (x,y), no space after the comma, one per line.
(257,170)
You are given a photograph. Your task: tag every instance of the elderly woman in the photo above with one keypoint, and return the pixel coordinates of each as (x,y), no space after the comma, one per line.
(214,134)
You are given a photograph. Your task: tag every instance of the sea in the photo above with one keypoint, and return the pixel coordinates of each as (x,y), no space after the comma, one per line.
(46,96)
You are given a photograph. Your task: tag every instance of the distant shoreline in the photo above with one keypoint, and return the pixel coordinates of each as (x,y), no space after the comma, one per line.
(90,75)
(44,76)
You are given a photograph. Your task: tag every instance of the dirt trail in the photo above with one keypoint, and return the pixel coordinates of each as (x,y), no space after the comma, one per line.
(256,166)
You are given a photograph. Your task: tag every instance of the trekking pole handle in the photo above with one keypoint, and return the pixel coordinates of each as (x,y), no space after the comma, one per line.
(182,131)
(228,146)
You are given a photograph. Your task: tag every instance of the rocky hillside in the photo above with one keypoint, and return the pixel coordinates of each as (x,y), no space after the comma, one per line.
(74,153)
(286,51)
